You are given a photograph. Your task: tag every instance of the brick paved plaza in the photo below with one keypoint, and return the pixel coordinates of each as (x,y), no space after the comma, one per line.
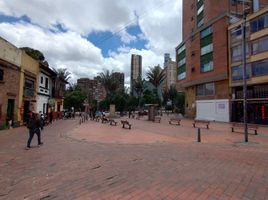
(150,161)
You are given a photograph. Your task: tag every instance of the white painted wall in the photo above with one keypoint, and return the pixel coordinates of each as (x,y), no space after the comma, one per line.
(214,110)
(41,99)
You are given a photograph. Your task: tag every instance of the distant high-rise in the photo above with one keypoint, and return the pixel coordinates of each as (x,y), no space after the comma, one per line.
(120,77)
(136,69)
(92,88)
(166,59)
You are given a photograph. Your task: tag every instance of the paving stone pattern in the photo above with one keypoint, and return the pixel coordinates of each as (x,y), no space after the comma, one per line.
(151,161)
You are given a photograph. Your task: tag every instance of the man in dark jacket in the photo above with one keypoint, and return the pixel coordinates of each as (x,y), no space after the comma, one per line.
(34,126)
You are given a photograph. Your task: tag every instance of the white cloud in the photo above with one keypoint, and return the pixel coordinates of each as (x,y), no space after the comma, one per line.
(159,20)
(126,37)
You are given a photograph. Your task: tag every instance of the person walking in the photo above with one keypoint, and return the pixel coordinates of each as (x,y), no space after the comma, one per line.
(34,126)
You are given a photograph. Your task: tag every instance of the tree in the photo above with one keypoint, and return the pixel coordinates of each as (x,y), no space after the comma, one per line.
(172,93)
(139,87)
(35,54)
(74,97)
(156,76)
(109,82)
(179,102)
(62,73)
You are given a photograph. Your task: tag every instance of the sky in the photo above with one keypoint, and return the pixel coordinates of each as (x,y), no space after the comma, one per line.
(89,37)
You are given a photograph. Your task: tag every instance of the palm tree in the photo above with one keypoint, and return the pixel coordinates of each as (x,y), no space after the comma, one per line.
(109,82)
(139,86)
(172,93)
(156,75)
(62,73)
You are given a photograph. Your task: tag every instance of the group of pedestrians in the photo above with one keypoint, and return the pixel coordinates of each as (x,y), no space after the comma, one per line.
(35,125)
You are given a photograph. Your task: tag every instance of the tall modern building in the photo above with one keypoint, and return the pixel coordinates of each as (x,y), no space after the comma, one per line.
(202,56)
(136,69)
(166,59)
(256,65)
(170,70)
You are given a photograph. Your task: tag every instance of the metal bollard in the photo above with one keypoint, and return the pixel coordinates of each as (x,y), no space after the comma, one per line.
(198,135)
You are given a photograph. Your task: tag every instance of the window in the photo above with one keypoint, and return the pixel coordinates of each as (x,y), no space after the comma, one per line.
(259,23)
(1,75)
(237,52)
(206,49)
(41,79)
(206,89)
(29,83)
(181,62)
(182,72)
(236,34)
(200,19)
(206,32)
(206,67)
(237,72)
(260,45)
(206,62)
(200,9)
(260,68)
(46,86)
(206,40)
(181,49)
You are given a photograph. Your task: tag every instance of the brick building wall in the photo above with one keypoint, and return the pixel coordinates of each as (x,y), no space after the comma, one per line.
(9,91)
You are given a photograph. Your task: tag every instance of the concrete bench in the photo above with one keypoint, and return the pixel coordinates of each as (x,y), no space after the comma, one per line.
(253,127)
(157,119)
(113,122)
(125,123)
(176,121)
(104,120)
(199,122)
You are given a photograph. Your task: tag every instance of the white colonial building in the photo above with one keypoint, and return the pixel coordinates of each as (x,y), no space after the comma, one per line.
(44,93)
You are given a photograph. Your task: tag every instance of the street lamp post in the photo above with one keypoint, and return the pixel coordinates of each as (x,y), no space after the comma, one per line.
(244,72)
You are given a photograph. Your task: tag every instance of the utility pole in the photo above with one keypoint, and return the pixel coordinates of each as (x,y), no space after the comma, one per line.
(244,50)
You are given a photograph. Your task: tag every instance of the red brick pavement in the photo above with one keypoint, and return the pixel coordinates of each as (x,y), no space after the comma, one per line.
(150,161)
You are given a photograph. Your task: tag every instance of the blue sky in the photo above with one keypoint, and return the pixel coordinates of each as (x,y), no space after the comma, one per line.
(84,38)
(107,41)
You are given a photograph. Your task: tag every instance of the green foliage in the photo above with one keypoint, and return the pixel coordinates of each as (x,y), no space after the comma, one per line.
(179,102)
(149,98)
(74,97)
(156,76)
(109,82)
(62,73)
(35,54)
(131,103)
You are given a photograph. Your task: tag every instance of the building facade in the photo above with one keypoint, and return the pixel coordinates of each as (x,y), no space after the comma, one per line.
(28,86)
(136,70)
(92,88)
(202,57)
(120,77)
(45,84)
(10,61)
(170,71)
(57,100)
(256,66)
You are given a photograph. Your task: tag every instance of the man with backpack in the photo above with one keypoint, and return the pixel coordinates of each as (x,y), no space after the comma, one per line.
(34,125)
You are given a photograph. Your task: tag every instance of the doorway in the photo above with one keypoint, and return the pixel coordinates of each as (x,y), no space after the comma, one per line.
(10,109)
(26,111)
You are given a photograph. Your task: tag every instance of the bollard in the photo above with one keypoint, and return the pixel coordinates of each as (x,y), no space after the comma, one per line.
(198,135)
